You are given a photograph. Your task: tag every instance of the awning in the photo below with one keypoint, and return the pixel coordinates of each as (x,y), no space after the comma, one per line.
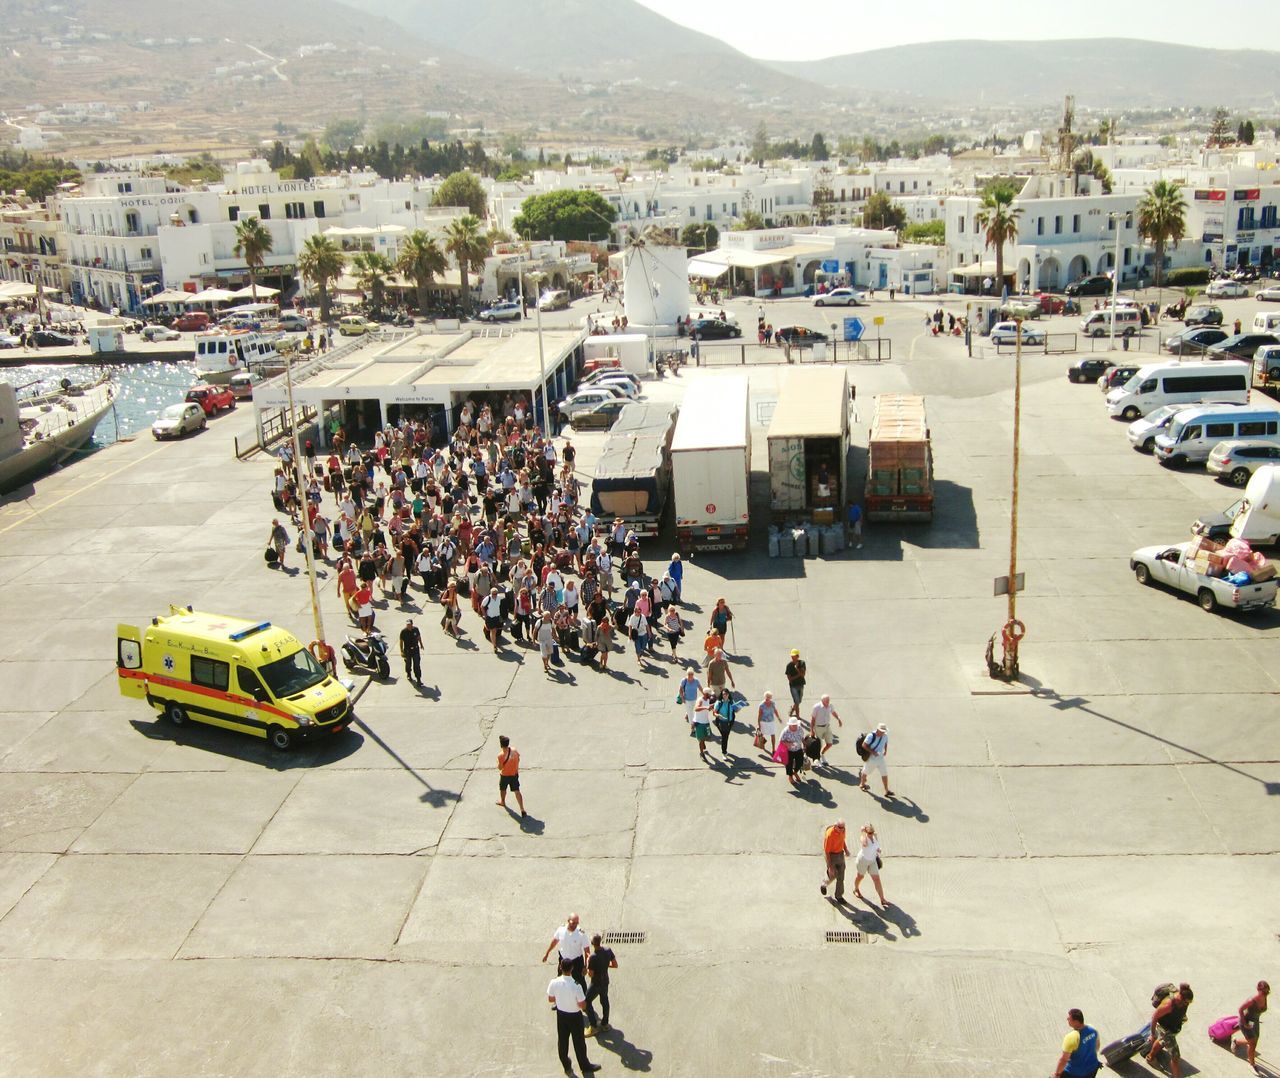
(16,290)
(978,269)
(708,267)
(247,292)
(211,295)
(170,295)
(364,230)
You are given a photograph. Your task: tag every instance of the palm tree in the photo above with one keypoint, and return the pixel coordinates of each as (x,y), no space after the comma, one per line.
(421,260)
(1162,219)
(321,262)
(253,244)
(469,248)
(1000,220)
(372,271)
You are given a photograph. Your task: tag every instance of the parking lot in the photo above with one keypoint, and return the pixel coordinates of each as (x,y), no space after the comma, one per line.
(190,902)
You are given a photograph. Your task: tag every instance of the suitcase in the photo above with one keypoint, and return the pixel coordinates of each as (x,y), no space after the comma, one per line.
(1126,1048)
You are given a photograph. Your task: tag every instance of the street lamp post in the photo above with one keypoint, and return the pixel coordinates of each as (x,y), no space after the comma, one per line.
(1012,632)
(537,279)
(299,478)
(1115,279)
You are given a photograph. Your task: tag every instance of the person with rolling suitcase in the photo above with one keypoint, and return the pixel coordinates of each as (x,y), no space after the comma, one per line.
(1079,1057)
(1166,1024)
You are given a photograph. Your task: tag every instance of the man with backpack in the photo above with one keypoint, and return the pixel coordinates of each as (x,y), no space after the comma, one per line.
(1171,1005)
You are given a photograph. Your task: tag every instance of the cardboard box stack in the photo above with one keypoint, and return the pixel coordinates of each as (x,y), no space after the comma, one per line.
(899,458)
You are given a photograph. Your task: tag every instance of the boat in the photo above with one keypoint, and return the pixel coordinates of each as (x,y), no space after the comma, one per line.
(39,433)
(221,353)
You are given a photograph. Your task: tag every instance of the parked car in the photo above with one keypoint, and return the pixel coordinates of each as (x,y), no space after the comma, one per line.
(600,416)
(355,325)
(1195,340)
(626,386)
(801,335)
(1237,461)
(192,322)
(1241,345)
(294,323)
(1088,370)
(8,340)
(155,332)
(242,383)
(1224,289)
(841,297)
(1143,431)
(178,420)
(608,374)
(1116,376)
(713,329)
(506,311)
(583,399)
(1007,333)
(213,399)
(1202,314)
(48,338)
(1270,294)
(1097,285)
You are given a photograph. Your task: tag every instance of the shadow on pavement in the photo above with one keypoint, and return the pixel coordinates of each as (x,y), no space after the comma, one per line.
(431,796)
(866,919)
(631,1057)
(250,749)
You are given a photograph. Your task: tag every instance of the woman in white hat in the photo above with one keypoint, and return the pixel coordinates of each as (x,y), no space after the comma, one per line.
(793,739)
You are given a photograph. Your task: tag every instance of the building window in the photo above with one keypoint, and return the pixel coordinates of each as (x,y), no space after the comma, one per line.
(233,213)
(1057,226)
(145,252)
(1245,219)
(1128,220)
(960,224)
(295,211)
(1268,216)
(693,212)
(264,212)
(131,222)
(1075,223)
(317,207)
(1039,226)
(124,188)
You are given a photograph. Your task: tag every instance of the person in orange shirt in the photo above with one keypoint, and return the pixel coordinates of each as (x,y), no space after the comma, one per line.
(509,774)
(713,642)
(835,848)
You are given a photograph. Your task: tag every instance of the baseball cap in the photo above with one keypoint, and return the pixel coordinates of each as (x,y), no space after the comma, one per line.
(795,652)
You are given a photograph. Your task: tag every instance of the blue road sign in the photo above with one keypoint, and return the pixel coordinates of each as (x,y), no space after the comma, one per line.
(853,329)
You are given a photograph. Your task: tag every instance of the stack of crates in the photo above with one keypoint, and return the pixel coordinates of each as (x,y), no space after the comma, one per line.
(900,462)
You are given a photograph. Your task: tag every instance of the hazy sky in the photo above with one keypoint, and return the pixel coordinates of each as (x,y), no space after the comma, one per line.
(815,28)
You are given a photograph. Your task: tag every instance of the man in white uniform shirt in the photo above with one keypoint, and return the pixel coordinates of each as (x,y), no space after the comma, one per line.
(570,1001)
(574,945)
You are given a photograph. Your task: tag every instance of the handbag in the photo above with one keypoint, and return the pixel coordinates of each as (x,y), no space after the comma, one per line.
(860,746)
(759,740)
(879,860)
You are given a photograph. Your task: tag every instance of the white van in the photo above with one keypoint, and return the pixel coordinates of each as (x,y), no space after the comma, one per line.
(1158,384)
(1266,322)
(1193,433)
(1098,323)
(1266,361)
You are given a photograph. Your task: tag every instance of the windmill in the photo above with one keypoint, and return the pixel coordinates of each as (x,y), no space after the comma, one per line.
(1066,139)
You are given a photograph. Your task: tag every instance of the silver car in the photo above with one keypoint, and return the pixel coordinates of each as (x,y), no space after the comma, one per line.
(178,420)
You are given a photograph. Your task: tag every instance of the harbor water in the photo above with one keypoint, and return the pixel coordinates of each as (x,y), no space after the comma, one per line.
(143,390)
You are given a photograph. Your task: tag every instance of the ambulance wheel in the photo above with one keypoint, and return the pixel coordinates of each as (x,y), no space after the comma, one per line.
(280,738)
(175,713)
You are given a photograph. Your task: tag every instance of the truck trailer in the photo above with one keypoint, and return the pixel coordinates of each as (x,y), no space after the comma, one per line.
(633,476)
(711,465)
(809,445)
(899,461)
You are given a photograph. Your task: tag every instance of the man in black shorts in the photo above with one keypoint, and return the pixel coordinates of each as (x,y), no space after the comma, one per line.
(795,672)
(509,773)
(411,650)
(491,608)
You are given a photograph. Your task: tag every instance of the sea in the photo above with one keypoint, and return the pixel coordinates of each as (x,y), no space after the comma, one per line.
(143,390)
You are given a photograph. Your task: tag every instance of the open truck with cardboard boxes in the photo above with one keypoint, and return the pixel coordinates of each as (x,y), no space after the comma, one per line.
(809,446)
(899,461)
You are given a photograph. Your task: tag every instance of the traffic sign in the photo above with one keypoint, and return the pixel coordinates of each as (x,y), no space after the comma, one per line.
(878,320)
(853,329)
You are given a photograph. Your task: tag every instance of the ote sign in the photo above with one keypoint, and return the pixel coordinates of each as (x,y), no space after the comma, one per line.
(853,329)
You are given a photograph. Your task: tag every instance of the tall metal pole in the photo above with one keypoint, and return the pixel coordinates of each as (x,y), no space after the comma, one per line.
(1013,501)
(306,504)
(1115,280)
(537,279)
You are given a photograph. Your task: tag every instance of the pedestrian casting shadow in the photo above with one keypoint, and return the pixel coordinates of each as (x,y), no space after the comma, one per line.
(562,676)
(620,675)
(507,655)
(631,1057)
(531,825)
(237,746)
(1040,691)
(723,767)
(428,692)
(741,660)
(900,917)
(902,806)
(814,792)
(868,920)
(465,644)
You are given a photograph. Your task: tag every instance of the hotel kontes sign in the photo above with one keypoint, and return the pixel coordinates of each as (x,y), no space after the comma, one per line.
(284,187)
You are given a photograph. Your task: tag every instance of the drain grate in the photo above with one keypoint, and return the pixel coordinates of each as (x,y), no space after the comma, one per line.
(848,936)
(625,937)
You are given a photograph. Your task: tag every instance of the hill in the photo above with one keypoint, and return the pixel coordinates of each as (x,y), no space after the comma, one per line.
(1109,72)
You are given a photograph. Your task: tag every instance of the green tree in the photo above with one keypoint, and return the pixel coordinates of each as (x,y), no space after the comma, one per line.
(818,148)
(750,221)
(760,143)
(469,247)
(421,260)
(253,244)
(999,220)
(824,197)
(321,262)
(564,215)
(1219,129)
(1245,133)
(931,232)
(1162,219)
(463,189)
(372,271)
(701,237)
(880,211)
(341,135)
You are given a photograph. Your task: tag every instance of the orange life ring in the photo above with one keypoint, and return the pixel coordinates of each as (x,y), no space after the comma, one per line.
(321,652)
(1013,632)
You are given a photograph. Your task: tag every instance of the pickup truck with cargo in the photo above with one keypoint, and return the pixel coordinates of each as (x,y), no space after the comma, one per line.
(1172,567)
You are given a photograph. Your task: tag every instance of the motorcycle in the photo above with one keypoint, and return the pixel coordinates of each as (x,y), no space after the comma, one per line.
(367,653)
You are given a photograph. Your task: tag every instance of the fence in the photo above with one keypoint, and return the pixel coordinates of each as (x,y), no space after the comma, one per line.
(739,353)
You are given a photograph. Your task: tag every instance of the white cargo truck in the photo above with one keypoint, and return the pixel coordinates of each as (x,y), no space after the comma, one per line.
(711,465)
(1255,518)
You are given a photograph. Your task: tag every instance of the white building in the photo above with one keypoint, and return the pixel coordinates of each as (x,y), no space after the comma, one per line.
(788,262)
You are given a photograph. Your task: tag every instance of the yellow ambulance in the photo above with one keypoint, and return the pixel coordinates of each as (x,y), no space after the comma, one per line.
(230,672)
